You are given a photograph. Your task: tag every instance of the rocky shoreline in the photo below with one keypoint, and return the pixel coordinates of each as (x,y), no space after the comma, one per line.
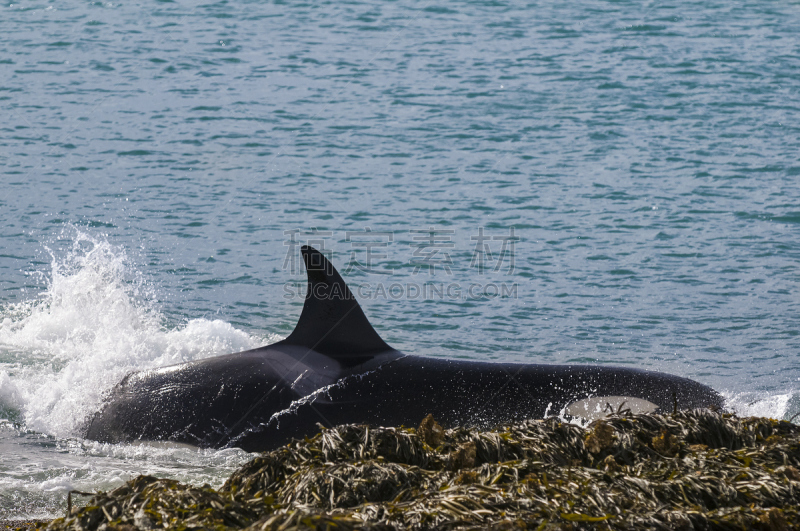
(689,470)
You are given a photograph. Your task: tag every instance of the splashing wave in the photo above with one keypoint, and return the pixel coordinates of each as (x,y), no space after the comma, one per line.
(92,324)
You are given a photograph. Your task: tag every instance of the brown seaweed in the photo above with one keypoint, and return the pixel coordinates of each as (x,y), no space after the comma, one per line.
(688,470)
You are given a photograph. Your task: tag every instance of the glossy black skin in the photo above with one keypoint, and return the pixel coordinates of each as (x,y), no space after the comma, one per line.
(230,400)
(334,369)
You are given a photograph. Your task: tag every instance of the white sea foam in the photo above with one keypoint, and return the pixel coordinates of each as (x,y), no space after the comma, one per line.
(93,323)
(10,396)
(751,404)
(42,469)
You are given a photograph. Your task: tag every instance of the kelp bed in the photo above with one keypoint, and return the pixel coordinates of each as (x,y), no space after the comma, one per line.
(690,470)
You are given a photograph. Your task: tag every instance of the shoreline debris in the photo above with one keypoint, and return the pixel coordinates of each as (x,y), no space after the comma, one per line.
(695,469)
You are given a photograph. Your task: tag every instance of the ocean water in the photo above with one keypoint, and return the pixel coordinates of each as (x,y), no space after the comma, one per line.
(594,182)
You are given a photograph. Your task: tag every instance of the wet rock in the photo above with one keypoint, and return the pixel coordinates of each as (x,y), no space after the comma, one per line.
(431,432)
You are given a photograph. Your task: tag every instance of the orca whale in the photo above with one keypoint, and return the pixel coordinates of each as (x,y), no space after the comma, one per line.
(335,369)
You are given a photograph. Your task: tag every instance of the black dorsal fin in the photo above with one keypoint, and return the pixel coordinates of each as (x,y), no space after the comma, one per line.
(332,322)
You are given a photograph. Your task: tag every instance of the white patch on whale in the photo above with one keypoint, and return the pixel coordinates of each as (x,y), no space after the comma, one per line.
(597,407)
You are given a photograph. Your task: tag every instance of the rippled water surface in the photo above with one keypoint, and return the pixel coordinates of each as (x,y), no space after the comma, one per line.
(156,158)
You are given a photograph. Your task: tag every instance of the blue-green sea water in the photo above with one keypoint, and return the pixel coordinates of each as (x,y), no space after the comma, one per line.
(608,182)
